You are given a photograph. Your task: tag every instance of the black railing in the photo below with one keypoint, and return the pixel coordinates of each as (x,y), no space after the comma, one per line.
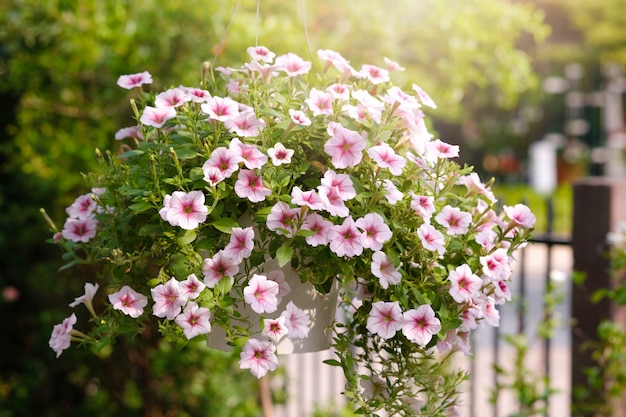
(549,240)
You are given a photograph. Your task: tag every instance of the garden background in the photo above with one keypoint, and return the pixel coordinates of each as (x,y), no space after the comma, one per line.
(492,66)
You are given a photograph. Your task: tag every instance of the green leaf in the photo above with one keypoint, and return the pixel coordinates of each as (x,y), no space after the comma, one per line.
(283,255)
(306,233)
(224,285)
(140,207)
(130,154)
(196,173)
(332,362)
(186,237)
(225,224)
(149,229)
(384,136)
(186,153)
(207,243)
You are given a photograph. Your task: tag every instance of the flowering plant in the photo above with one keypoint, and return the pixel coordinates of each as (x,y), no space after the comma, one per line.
(220,191)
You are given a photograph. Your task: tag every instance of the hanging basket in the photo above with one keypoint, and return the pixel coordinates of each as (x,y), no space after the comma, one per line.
(320,308)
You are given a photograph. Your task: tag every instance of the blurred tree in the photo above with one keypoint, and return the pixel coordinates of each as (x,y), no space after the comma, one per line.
(602,26)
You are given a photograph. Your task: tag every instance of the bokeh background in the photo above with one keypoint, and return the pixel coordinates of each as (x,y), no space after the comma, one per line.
(505,74)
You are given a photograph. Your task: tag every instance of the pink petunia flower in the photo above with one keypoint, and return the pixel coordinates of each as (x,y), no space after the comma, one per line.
(298,117)
(421,324)
(345,239)
(454,219)
(392,65)
(131,81)
(275,329)
(261,294)
(129,132)
(278,276)
(320,102)
(358,112)
(191,287)
(224,159)
(464,284)
(501,292)
(220,108)
(213,175)
(250,154)
(385,319)
(168,299)
(374,74)
(87,298)
(260,53)
(372,105)
(496,264)
(156,117)
(469,315)
(520,215)
(186,210)
(424,97)
(218,267)
(79,230)
(395,96)
(250,185)
(431,238)
(174,97)
(383,269)
(194,320)
(342,182)
(128,301)
(240,245)
(423,205)
(374,388)
(475,186)
(338,61)
(83,207)
(306,198)
(198,95)
(259,357)
(386,157)
(61,336)
(375,231)
(245,124)
(486,238)
(339,91)
(292,64)
(296,321)
(332,201)
(437,149)
(392,194)
(267,71)
(320,226)
(345,146)
(283,219)
(279,154)
(491,315)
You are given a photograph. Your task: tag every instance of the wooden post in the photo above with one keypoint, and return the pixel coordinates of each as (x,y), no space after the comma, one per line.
(599,205)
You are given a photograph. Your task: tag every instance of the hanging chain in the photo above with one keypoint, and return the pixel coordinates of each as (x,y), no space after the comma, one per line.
(256,36)
(221,44)
(306,29)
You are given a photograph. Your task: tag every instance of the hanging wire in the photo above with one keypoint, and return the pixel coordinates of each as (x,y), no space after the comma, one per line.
(219,47)
(258,8)
(306,29)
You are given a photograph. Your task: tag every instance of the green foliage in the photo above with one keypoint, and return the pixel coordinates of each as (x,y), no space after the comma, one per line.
(562,202)
(601,24)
